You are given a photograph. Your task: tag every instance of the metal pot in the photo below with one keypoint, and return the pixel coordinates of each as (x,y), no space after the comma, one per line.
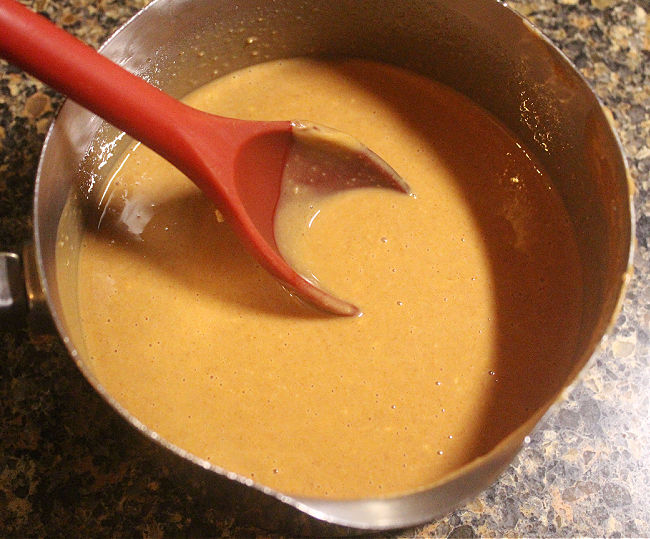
(478,47)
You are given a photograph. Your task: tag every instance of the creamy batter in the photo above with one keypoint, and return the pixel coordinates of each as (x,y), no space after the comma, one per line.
(471,294)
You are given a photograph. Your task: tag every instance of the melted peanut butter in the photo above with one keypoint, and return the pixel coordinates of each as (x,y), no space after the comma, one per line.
(471,294)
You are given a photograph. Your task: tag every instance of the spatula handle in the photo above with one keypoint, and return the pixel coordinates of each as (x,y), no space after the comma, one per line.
(68,65)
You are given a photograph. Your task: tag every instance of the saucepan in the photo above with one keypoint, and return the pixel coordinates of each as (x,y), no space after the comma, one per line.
(480,48)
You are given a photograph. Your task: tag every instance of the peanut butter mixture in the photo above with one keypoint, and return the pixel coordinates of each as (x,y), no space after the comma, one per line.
(470,292)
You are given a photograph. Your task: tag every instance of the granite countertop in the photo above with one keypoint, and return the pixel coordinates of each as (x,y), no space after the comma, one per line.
(67,468)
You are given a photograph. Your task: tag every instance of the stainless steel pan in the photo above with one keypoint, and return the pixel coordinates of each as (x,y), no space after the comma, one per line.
(479,47)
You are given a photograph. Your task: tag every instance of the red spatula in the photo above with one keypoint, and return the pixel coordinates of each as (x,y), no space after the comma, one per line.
(237,164)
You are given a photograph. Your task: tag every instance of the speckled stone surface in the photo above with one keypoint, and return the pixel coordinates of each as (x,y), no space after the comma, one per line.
(68,468)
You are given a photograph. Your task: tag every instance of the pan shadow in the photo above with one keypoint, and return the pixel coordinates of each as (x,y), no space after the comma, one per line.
(222,269)
(529,240)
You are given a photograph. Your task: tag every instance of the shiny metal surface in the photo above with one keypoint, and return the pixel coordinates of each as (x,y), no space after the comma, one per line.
(13,299)
(22,300)
(479,47)
(39,320)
